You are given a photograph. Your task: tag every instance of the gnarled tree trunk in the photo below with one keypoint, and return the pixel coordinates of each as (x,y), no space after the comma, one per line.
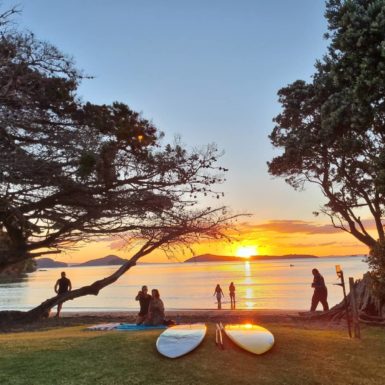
(371,308)
(43,310)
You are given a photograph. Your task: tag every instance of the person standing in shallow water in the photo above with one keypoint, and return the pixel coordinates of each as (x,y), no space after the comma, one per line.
(232,295)
(144,301)
(63,285)
(320,291)
(219,294)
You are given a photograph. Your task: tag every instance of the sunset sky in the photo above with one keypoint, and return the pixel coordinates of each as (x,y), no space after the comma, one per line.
(208,71)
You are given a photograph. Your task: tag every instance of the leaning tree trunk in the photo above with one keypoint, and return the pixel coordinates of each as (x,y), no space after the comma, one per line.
(371,308)
(43,310)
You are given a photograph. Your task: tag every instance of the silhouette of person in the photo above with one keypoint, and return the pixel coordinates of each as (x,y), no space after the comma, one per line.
(232,295)
(320,291)
(62,285)
(219,294)
(144,301)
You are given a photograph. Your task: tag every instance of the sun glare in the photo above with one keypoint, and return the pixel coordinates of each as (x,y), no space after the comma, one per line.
(246,251)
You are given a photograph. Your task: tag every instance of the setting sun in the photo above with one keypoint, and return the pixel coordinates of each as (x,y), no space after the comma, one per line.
(246,251)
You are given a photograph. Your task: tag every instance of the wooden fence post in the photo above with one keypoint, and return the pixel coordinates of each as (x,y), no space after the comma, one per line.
(353,301)
(340,275)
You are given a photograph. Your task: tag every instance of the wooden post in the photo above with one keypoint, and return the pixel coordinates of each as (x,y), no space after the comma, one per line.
(353,300)
(340,275)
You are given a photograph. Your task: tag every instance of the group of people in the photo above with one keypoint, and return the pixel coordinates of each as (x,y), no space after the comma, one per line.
(218,292)
(152,307)
(320,293)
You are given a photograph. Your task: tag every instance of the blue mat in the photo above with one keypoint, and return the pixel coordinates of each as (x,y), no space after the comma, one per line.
(128,327)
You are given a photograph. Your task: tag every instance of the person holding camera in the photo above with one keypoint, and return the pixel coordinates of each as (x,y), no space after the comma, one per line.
(144,301)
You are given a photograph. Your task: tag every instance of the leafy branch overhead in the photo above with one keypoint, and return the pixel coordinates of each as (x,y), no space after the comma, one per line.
(72,170)
(332,129)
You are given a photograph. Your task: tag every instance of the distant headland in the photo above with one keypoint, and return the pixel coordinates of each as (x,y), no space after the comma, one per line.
(43,263)
(111,260)
(228,258)
(105,261)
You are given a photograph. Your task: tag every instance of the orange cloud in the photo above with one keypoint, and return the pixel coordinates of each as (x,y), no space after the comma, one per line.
(294,226)
(297,236)
(274,237)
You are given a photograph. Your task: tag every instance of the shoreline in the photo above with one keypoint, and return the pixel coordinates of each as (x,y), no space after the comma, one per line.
(181,312)
(290,317)
(186,315)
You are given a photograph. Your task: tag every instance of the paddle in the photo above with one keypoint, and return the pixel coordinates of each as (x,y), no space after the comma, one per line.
(218,336)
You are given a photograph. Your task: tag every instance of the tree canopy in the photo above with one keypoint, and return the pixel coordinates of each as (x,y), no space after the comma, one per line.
(331,130)
(72,170)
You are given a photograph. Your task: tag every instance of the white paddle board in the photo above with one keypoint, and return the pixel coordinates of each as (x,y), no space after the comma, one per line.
(179,340)
(253,338)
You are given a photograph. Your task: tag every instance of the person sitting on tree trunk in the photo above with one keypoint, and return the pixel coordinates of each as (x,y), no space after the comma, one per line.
(63,285)
(320,291)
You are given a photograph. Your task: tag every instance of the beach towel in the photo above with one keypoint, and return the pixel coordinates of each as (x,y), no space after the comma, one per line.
(124,327)
(127,327)
(108,326)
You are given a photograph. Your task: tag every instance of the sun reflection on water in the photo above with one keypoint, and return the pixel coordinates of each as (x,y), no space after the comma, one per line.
(249,290)
(247,269)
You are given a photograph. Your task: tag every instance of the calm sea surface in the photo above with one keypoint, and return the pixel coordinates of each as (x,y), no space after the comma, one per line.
(260,284)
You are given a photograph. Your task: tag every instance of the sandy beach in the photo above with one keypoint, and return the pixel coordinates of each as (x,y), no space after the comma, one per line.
(192,315)
(260,316)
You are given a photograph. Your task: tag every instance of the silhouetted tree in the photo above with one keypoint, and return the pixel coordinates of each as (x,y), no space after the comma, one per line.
(332,132)
(71,171)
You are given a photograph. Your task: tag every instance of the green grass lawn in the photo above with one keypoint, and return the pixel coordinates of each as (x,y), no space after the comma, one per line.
(300,356)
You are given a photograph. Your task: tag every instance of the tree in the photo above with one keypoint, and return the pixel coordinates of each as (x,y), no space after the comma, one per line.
(332,132)
(71,171)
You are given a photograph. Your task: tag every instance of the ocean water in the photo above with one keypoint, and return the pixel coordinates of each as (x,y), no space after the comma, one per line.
(259,284)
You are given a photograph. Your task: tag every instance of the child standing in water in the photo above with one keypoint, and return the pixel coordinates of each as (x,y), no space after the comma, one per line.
(219,294)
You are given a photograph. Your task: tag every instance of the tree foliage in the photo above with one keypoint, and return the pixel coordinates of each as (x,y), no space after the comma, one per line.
(72,170)
(332,129)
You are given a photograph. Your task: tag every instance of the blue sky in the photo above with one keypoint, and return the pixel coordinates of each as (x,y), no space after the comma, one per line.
(206,70)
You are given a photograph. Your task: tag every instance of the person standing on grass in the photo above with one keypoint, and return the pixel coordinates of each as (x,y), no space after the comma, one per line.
(63,285)
(144,301)
(232,295)
(320,291)
(219,294)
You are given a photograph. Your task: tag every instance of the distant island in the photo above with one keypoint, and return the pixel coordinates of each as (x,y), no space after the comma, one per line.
(114,260)
(227,258)
(43,263)
(109,260)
